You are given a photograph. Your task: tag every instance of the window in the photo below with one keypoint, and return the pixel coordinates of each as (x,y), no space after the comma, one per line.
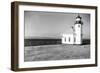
(78,25)
(69,39)
(65,39)
(74,39)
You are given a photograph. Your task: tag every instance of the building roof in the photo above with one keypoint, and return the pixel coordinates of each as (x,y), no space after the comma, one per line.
(78,22)
(78,16)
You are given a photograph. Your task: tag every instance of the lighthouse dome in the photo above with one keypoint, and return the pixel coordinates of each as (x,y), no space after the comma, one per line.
(78,20)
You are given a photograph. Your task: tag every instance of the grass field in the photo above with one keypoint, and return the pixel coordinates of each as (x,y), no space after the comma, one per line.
(56,52)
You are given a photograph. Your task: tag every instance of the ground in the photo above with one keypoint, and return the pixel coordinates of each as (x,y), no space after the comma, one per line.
(56,52)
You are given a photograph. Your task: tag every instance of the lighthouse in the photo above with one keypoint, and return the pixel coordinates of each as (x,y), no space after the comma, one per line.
(77,30)
(76,36)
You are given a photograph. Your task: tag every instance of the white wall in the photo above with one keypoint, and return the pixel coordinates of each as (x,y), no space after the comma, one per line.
(65,39)
(78,33)
(5,48)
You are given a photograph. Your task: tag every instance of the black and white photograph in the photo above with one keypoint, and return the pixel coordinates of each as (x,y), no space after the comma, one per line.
(52,36)
(56,36)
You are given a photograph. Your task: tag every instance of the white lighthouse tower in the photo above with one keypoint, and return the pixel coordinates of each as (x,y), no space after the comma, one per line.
(77,31)
(76,37)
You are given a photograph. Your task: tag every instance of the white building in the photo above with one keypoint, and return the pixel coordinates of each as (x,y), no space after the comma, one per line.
(76,36)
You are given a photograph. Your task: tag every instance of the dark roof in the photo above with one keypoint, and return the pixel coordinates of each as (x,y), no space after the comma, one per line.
(78,22)
(79,16)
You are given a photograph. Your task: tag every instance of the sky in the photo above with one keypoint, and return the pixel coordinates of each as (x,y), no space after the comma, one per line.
(53,24)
